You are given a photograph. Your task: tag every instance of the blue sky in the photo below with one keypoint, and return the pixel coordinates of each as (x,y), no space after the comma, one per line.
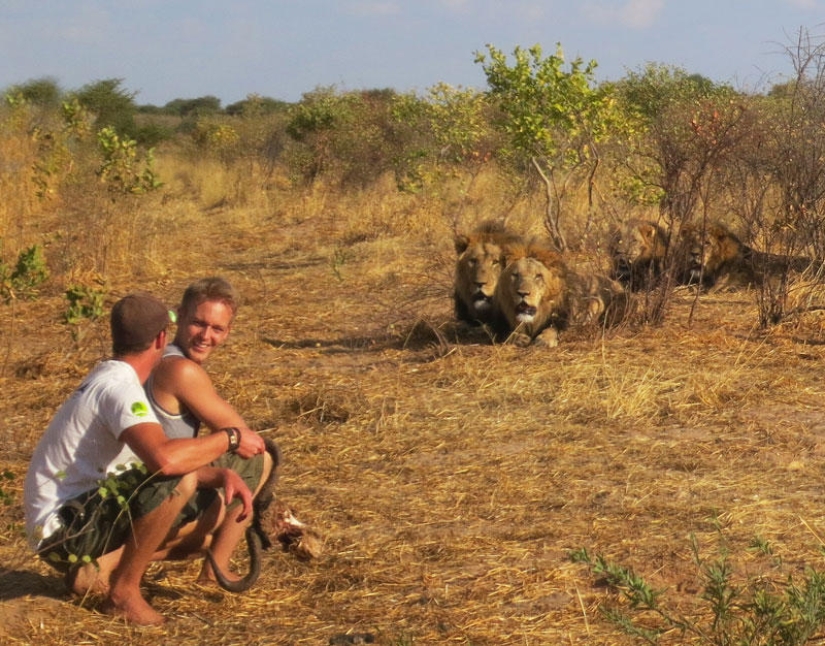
(168,49)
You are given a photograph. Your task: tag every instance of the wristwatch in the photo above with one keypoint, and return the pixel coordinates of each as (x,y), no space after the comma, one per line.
(234,435)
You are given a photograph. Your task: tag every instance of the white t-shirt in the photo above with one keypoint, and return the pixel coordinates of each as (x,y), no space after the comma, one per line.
(82,443)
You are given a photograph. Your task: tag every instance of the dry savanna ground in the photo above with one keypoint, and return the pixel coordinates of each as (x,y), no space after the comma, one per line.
(450,478)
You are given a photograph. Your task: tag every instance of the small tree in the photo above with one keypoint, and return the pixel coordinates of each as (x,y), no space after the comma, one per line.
(112,106)
(552,116)
(686,126)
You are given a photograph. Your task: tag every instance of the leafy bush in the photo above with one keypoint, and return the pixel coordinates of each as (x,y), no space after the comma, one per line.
(122,169)
(28,274)
(85,304)
(753,612)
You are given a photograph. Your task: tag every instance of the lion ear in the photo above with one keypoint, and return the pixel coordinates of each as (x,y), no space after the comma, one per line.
(461,244)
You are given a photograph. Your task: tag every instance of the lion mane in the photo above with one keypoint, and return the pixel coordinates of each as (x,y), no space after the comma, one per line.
(637,253)
(532,296)
(481,257)
(714,258)
(711,256)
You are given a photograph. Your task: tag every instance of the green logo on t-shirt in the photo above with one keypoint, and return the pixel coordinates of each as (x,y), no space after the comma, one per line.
(139,409)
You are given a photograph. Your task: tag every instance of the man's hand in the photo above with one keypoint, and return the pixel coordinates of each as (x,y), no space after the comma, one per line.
(251,444)
(235,487)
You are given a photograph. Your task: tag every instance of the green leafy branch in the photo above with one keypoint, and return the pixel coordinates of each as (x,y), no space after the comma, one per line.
(755,612)
(28,274)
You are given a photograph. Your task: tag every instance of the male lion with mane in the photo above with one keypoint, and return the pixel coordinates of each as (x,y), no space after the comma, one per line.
(538,297)
(532,297)
(637,253)
(481,257)
(713,257)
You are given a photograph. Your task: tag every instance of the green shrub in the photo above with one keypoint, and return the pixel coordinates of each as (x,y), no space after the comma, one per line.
(28,274)
(754,611)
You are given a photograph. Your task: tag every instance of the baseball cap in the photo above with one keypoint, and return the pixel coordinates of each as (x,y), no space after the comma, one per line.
(136,320)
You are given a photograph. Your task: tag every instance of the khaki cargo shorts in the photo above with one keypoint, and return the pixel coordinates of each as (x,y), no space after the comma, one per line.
(99,521)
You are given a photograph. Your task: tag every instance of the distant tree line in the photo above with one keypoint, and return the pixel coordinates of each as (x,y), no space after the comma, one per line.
(662,139)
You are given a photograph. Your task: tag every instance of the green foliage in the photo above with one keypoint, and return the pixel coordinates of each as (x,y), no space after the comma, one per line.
(122,169)
(439,135)
(255,105)
(648,93)
(29,273)
(6,497)
(113,106)
(458,121)
(44,92)
(76,119)
(545,108)
(753,612)
(553,116)
(348,137)
(202,106)
(85,303)
(682,127)
(319,112)
(218,138)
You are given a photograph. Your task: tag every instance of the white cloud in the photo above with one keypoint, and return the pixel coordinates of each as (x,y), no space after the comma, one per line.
(636,14)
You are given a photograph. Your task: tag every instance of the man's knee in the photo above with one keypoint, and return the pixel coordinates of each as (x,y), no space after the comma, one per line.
(187,486)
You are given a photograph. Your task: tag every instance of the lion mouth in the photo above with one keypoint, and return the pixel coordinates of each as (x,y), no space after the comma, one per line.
(623,268)
(525,313)
(482,302)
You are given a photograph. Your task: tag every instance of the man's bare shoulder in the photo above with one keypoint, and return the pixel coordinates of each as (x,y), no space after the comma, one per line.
(177,373)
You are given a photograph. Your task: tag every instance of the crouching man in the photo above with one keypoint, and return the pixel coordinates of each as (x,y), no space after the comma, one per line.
(107,492)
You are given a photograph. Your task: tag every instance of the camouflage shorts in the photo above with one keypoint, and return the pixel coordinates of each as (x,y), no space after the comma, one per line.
(99,521)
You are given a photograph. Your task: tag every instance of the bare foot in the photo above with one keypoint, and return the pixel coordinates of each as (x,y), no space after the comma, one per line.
(134,609)
(88,579)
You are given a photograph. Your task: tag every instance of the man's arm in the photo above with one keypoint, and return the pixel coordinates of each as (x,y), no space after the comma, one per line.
(173,457)
(188,384)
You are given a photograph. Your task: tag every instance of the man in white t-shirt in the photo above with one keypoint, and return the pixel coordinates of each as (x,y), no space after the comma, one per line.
(107,492)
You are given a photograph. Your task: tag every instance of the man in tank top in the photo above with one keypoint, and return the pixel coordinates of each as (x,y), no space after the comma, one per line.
(184,398)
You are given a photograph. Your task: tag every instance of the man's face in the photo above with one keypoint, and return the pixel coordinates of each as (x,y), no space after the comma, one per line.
(203,329)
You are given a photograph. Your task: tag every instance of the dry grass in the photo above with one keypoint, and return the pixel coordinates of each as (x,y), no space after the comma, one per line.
(450,478)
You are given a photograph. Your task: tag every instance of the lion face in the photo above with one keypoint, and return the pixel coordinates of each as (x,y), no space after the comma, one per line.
(637,251)
(532,295)
(706,251)
(481,257)
(477,271)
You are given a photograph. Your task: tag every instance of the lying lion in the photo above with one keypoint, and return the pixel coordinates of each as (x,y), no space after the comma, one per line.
(711,256)
(481,257)
(538,296)
(638,250)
